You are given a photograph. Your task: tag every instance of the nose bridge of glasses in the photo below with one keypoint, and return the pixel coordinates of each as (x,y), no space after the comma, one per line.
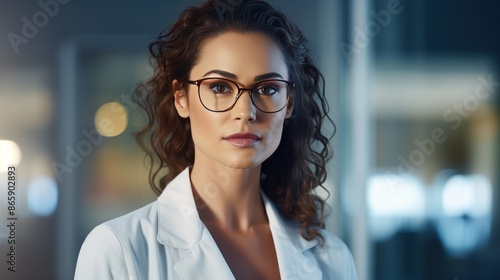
(241,90)
(240,93)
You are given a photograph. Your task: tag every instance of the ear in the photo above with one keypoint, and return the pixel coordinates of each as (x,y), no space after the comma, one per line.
(289,107)
(180,99)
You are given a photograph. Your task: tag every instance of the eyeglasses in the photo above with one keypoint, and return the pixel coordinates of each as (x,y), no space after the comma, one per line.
(220,94)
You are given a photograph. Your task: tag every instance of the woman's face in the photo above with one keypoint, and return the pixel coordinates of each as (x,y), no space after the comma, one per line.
(245,58)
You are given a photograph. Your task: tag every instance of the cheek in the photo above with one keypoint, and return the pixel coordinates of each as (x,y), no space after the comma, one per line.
(200,118)
(276,129)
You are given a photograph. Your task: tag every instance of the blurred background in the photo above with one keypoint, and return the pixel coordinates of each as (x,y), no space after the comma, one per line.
(413,87)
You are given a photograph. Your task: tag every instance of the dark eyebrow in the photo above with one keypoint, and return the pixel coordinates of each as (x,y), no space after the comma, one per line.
(267,76)
(233,76)
(222,73)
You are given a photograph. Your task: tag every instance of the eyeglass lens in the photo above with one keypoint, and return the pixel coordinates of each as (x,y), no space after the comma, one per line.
(220,94)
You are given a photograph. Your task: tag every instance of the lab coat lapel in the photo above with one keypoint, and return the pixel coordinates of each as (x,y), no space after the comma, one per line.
(180,227)
(204,261)
(294,253)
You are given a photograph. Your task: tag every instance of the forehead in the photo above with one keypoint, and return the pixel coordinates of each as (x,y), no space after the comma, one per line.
(244,54)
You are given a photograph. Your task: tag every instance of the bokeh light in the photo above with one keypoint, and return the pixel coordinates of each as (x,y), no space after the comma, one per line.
(10,154)
(467,195)
(42,196)
(111,119)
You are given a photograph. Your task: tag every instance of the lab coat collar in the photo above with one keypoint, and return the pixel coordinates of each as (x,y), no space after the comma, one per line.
(180,226)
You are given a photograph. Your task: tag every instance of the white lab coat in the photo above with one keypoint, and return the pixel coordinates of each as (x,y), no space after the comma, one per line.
(167,240)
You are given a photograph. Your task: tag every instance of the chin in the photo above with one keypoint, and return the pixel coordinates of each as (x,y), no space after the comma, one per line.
(242,163)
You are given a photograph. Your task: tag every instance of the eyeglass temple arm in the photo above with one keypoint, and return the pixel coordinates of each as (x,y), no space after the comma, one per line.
(193,82)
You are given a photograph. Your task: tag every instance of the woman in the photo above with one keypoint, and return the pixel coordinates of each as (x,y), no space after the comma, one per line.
(234,108)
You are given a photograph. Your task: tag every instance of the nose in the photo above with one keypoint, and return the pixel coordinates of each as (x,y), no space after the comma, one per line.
(244,109)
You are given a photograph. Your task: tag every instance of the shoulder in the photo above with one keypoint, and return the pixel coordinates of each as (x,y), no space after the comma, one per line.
(333,243)
(335,257)
(139,222)
(107,248)
(101,256)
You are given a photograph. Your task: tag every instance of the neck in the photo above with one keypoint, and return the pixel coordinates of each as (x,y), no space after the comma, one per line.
(226,197)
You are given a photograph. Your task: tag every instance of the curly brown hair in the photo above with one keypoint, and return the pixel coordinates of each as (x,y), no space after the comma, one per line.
(297,167)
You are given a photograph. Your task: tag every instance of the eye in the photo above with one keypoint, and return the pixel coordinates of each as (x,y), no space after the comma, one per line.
(220,88)
(267,89)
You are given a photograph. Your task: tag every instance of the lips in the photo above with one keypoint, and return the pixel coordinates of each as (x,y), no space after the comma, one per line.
(242,139)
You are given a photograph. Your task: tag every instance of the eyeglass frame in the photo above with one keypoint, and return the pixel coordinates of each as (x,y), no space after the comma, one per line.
(291,85)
